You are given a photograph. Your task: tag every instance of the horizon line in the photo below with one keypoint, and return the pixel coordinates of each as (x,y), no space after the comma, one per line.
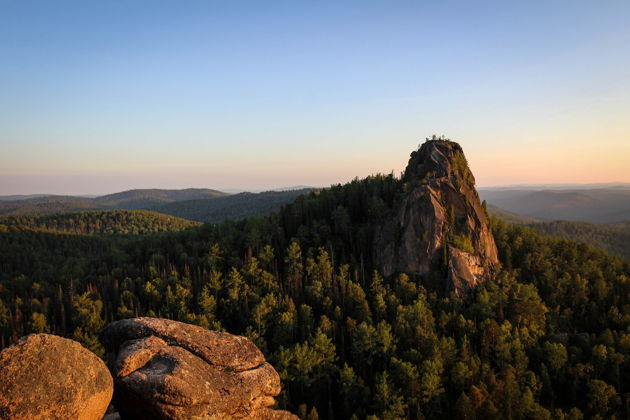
(299,187)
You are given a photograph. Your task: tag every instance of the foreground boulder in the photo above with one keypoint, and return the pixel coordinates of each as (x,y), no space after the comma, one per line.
(43,376)
(166,369)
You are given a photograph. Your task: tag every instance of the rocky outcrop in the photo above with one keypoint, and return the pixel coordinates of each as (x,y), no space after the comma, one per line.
(162,370)
(43,376)
(439,224)
(170,370)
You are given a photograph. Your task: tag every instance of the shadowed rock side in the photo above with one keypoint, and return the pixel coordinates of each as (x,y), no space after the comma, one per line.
(438,221)
(43,376)
(170,370)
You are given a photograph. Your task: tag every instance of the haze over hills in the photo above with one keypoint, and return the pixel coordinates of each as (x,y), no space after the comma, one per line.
(17,197)
(125,200)
(140,199)
(201,205)
(595,205)
(538,187)
(232,207)
(611,237)
(47,204)
(509,216)
(555,212)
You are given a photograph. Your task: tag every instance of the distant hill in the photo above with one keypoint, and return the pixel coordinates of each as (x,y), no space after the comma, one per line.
(126,200)
(596,205)
(612,237)
(20,197)
(237,206)
(97,222)
(47,204)
(508,216)
(203,205)
(141,199)
(541,187)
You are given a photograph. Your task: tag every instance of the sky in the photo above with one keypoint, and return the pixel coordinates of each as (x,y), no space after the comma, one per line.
(103,96)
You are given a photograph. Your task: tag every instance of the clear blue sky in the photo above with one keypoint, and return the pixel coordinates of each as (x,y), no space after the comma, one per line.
(100,96)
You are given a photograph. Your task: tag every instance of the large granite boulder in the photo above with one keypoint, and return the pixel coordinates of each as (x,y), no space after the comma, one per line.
(166,369)
(43,376)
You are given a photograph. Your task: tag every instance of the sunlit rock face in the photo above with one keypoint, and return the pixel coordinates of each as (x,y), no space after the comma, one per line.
(439,224)
(166,369)
(43,376)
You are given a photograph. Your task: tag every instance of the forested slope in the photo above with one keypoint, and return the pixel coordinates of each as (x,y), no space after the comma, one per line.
(613,237)
(125,200)
(97,222)
(231,207)
(547,337)
(584,204)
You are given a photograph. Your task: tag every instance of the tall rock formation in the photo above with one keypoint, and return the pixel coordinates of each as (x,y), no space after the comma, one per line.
(438,222)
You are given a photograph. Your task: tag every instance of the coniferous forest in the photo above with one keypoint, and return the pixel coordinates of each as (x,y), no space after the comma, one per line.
(547,338)
(120,222)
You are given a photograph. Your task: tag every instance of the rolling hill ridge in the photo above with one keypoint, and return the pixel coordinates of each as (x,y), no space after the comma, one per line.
(125,200)
(597,205)
(97,222)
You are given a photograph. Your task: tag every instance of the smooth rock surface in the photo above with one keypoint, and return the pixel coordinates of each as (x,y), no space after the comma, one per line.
(43,376)
(171,370)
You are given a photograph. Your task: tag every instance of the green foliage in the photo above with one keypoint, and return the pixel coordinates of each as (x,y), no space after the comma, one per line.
(555,355)
(38,323)
(602,398)
(460,165)
(97,222)
(88,320)
(388,403)
(462,242)
(125,200)
(614,237)
(231,207)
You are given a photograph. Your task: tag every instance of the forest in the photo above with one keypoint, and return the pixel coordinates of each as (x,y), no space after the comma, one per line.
(547,338)
(611,237)
(102,222)
(231,207)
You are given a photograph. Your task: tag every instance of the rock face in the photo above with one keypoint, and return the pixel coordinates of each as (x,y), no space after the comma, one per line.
(171,370)
(438,222)
(43,376)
